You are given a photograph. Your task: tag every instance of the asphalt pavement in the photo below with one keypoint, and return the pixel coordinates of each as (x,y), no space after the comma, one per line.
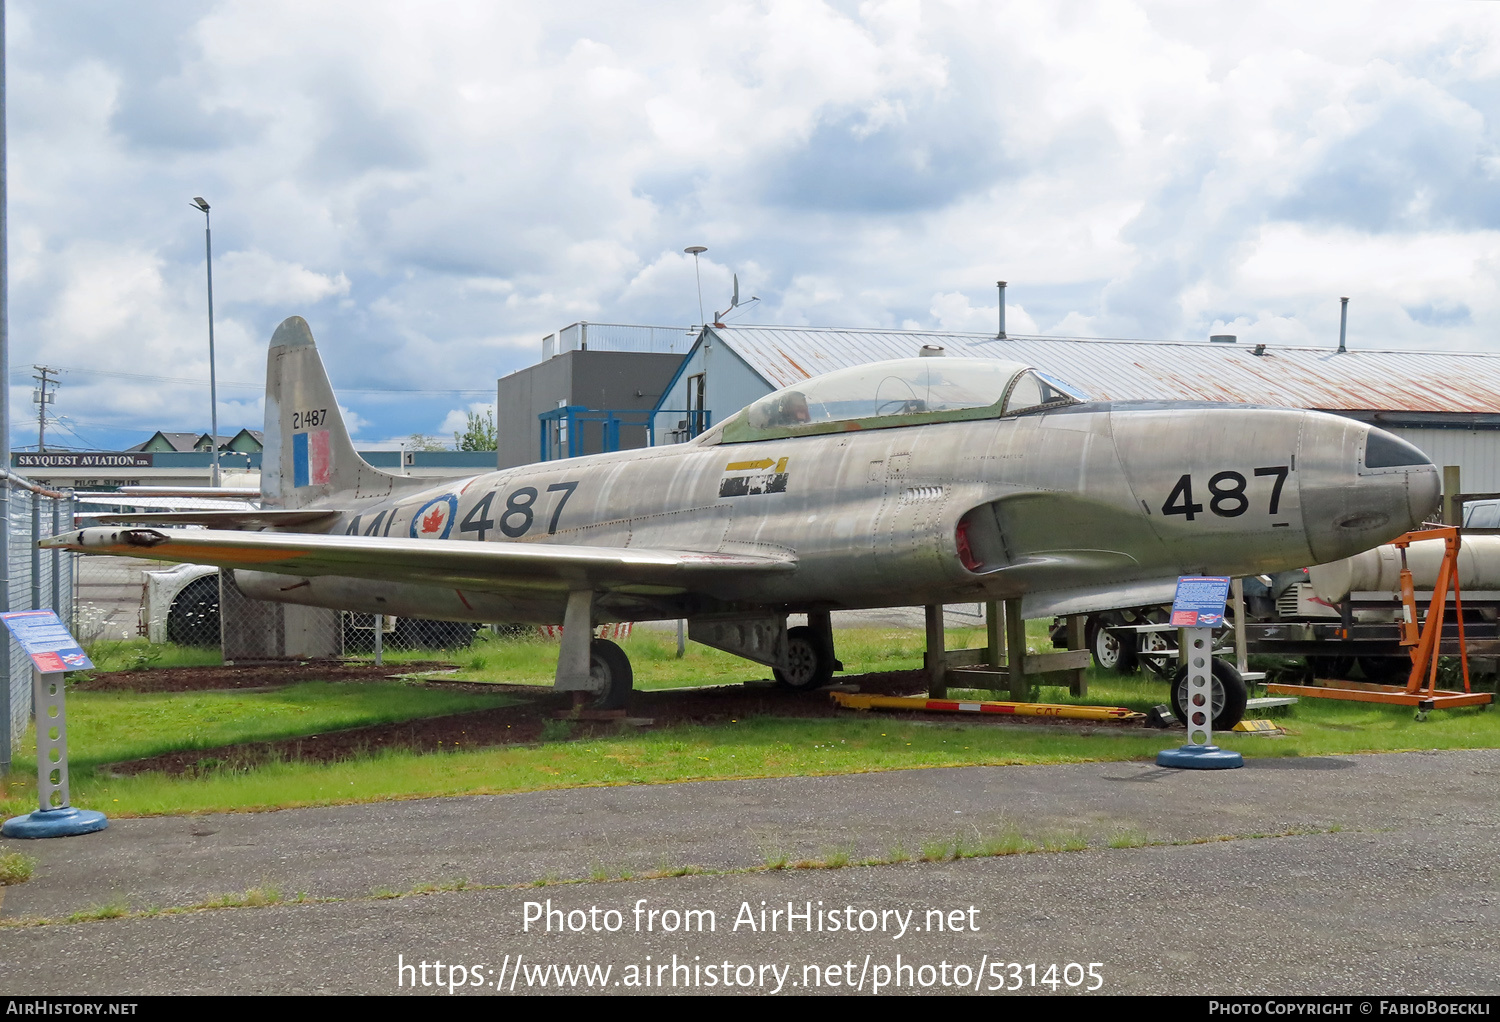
(1360,874)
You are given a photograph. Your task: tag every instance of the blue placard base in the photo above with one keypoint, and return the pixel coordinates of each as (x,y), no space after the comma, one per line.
(1200,757)
(64,822)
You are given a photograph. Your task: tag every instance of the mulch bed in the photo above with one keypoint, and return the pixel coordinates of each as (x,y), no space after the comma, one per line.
(260,675)
(524,723)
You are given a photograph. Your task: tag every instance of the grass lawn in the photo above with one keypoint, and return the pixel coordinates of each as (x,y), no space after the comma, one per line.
(109,727)
(140,655)
(530,660)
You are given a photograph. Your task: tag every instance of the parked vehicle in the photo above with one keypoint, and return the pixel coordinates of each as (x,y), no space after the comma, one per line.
(182,606)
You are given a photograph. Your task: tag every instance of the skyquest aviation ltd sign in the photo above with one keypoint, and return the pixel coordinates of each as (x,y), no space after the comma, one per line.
(133,459)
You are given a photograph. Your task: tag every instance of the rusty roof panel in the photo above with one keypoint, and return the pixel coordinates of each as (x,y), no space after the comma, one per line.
(1299,377)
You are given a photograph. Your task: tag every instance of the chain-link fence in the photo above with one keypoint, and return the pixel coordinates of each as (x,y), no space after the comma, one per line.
(191,605)
(36,579)
(405,633)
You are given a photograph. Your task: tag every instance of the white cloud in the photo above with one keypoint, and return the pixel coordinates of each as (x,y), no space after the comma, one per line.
(953,312)
(254,276)
(438,193)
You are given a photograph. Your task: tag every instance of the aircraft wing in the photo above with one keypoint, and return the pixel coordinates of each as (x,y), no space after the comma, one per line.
(482,567)
(266,518)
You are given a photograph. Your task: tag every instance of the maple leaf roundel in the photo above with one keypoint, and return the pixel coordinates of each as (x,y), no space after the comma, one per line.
(435,518)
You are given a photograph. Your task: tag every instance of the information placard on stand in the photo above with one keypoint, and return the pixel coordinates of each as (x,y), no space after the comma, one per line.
(53,651)
(1198,609)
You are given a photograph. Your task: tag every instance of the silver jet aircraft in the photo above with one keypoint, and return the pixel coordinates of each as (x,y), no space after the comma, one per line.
(905,483)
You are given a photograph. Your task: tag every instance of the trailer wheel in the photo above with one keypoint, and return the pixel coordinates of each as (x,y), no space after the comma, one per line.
(1111,651)
(1156,653)
(1229,695)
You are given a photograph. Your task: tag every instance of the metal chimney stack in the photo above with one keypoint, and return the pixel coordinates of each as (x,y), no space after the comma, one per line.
(1343,322)
(1001,285)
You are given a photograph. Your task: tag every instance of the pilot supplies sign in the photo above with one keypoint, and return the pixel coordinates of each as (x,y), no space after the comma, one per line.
(1200,601)
(47,641)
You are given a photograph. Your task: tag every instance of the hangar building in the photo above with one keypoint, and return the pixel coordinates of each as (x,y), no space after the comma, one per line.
(1446,403)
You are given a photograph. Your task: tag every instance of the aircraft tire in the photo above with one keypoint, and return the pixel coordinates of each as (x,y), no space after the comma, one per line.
(194,617)
(1229,695)
(810,660)
(1110,650)
(1154,654)
(609,665)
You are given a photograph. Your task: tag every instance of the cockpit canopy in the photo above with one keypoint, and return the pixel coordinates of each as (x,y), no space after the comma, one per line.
(905,392)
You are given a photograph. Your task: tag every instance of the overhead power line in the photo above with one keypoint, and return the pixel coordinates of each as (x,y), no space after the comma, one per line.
(256,386)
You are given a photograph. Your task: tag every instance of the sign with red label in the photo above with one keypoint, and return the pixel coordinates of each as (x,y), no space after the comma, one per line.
(1200,601)
(47,641)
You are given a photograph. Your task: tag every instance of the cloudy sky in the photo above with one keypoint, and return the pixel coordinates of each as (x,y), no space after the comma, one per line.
(436,186)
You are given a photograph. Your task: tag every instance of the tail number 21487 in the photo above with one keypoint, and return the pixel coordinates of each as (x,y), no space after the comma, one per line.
(1227,497)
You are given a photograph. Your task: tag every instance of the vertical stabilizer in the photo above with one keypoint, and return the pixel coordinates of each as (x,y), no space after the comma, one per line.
(309,459)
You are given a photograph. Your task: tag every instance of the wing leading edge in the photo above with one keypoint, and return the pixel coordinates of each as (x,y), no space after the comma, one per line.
(483,567)
(269,518)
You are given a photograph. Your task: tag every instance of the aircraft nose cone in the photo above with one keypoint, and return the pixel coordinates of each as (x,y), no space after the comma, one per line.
(1366,488)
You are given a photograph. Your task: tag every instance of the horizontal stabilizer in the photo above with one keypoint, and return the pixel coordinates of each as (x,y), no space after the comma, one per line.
(253,520)
(482,567)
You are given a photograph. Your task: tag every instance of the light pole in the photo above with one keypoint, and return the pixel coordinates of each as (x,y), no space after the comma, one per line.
(695,251)
(213,388)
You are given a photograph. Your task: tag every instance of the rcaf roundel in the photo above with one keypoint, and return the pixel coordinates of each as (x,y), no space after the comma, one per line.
(435,519)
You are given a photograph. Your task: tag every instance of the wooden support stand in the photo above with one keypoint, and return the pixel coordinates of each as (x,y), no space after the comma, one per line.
(1004,664)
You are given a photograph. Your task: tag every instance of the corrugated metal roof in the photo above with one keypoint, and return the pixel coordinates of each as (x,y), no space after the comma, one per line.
(1132,370)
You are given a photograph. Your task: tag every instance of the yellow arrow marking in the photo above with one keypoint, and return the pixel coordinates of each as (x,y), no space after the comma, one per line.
(739,466)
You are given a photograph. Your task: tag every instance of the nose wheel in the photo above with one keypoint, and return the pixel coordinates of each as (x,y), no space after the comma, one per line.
(1229,695)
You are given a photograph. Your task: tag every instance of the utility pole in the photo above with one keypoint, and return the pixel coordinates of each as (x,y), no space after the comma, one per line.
(46,377)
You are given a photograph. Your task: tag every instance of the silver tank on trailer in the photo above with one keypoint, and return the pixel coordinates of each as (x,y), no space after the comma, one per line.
(1379,570)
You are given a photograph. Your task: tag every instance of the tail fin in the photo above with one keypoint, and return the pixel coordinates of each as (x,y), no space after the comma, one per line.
(308,458)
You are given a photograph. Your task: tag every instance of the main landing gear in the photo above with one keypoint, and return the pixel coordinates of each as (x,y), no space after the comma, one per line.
(610,676)
(809,658)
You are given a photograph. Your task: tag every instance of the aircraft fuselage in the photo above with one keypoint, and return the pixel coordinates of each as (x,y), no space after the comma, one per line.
(1067,508)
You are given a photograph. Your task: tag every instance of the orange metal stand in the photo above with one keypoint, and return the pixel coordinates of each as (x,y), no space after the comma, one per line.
(1421,688)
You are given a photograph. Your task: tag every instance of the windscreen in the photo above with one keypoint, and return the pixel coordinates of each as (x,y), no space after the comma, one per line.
(907,387)
(1036,389)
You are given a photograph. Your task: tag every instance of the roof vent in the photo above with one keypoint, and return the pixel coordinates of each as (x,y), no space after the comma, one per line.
(1260,349)
(932,351)
(1223,339)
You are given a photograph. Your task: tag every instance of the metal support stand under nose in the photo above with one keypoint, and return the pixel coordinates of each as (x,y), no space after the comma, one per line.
(1200,753)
